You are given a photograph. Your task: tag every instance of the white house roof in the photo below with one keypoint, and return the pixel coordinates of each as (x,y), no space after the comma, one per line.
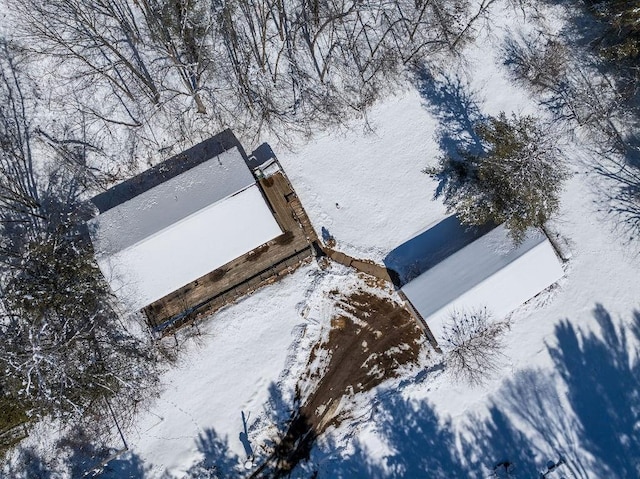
(491,272)
(181,229)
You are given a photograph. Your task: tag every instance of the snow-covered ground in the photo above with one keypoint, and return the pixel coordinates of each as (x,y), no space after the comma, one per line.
(225,377)
(567,380)
(365,187)
(559,392)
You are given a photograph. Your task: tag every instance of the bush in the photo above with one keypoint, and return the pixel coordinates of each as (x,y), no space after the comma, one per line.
(472,344)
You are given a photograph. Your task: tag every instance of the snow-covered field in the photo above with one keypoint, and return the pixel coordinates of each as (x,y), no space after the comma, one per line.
(229,375)
(365,186)
(567,383)
(561,391)
(223,374)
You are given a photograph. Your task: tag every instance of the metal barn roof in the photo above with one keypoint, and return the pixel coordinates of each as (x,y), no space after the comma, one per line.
(490,272)
(179,230)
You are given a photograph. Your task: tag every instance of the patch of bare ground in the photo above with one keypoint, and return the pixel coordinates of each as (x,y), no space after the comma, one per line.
(370,339)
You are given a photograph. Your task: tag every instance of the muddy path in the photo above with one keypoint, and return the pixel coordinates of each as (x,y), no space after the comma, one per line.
(371,337)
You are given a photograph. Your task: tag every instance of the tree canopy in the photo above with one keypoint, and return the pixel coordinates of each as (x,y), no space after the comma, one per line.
(516,178)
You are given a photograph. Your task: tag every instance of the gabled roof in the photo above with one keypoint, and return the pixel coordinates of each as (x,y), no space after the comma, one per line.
(168,169)
(181,229)
(167,203)
(490,272)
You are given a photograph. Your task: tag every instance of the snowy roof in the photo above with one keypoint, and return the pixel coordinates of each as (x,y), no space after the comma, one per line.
(162,172)
(491,272)
(169,202)
(182,229)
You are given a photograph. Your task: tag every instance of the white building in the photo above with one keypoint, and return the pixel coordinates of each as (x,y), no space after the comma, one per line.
(490,272)
(155,241)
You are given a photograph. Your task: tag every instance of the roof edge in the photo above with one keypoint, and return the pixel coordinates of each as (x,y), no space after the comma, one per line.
(446,308)
(174,166)
(145,239)
(535,238)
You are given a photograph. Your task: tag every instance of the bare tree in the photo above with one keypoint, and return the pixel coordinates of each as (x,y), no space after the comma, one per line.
(18,187)
(592,95)
(101,37)
(180,31)
(264,64)
(472,344)
(573,91)
(540,62)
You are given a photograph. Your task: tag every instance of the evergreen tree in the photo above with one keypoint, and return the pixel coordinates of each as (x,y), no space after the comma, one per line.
(620,42)
(517,179)
(63,345)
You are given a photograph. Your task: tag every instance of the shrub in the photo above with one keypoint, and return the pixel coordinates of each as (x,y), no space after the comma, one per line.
(472,344)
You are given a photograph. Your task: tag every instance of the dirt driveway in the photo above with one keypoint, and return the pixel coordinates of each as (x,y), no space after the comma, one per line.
(371,337)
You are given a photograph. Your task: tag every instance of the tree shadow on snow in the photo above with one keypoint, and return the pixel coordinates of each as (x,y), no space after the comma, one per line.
(82,458)
(592,404)
(622,200)
(127,466)
(595,407)
(218,461)
(89,457)
(529,427)
(583,94)
(602,374)
(456,107)
(420,443)
(28,464)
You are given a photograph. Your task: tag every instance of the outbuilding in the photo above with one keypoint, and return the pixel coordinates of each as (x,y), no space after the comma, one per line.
(491,272)
(179,221)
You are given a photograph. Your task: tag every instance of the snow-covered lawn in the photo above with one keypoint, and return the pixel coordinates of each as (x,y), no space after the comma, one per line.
(569,378)
(222,374)
(366,188)
(263,340)
(229,370)
(567,383)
